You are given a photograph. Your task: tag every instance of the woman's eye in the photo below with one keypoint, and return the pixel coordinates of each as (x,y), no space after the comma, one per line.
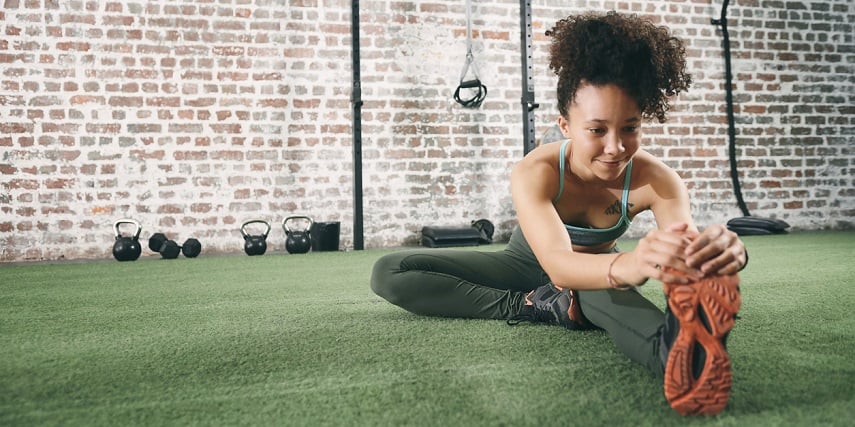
(630,129)
(596,131)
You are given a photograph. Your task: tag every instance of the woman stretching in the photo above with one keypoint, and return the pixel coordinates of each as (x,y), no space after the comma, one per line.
(574,199)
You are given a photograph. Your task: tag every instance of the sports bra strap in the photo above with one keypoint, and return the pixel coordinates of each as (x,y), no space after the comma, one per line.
(563,150)
(624,198)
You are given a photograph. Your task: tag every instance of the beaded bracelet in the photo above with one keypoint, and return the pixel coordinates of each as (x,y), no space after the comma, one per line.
(611,279)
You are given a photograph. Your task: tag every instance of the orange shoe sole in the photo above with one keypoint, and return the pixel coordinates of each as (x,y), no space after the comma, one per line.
(718,297)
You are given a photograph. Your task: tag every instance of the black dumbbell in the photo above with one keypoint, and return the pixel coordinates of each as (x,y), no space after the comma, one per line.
(191,248)
(168,249)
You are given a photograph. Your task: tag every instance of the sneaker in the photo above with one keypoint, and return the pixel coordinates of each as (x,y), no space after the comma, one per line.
(554,306)
(697,321)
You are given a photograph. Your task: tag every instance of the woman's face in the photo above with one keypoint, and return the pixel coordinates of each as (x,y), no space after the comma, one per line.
(604,123)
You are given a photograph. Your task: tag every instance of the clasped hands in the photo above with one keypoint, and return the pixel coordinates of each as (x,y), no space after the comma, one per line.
(677,255)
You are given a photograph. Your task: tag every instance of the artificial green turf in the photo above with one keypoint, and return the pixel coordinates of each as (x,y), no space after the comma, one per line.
(301,340)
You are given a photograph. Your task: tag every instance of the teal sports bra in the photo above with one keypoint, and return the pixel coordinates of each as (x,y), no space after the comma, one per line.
(595,236)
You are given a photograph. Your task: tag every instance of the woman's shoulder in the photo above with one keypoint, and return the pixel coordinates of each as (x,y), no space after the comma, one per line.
(538,170)
(543,155)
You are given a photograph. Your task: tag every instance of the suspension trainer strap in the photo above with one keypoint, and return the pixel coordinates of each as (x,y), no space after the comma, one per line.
(476,89)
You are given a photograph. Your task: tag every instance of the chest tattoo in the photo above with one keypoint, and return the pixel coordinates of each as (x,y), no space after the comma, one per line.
(614,209)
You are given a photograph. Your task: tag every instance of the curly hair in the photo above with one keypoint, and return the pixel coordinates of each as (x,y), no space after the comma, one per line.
(625,50)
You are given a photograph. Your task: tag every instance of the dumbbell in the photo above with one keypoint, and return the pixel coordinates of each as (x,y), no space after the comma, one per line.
(168,249)
(191,248)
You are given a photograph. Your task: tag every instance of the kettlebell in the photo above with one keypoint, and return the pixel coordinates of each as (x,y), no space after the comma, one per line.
(254,244)
(127,248)
(298,241)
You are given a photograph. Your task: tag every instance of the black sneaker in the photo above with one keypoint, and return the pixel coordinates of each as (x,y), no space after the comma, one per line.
(554,306)
(698,319)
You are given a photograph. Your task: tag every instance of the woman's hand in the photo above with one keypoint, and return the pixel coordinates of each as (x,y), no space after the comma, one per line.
(666,248)
(716,251)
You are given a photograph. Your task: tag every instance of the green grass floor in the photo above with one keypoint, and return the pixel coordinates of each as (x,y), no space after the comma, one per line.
(301,340)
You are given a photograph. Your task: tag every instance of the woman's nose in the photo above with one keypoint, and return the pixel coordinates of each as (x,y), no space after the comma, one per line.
(614,145)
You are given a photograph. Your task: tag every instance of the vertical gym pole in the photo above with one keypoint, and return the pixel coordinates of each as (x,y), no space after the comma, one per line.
(527,99)
(356,105)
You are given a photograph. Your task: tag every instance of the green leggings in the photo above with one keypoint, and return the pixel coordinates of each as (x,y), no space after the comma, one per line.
(493,285)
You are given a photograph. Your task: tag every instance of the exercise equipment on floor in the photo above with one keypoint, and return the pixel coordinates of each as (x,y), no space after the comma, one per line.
(298,240)
(127,248)
(169,249)
(479,232)
(191,248)
(255,244)
(486,228)
(753,226)
(474,90)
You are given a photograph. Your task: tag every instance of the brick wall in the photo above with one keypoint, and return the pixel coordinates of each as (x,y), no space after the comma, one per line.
(194,116)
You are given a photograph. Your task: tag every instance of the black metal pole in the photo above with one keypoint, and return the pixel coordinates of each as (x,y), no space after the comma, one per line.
(731,123)
(527,99)
(356,104)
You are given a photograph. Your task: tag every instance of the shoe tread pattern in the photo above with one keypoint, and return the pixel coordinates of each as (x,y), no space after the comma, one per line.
(719,298)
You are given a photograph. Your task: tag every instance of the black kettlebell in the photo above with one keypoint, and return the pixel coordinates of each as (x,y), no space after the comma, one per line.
(298,241)
(127,248)
(254,244)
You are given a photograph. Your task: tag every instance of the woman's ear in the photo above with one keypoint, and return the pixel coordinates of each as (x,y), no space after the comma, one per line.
(564,126)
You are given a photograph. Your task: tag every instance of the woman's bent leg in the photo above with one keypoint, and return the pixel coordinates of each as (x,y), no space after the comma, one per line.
(456,283)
